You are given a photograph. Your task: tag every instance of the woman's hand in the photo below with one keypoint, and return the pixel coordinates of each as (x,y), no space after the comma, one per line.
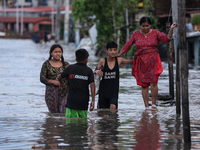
(56,83)
(173,25)
(119,55)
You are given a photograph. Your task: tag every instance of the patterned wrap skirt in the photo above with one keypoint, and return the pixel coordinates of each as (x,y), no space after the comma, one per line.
(55,102)
(147,67)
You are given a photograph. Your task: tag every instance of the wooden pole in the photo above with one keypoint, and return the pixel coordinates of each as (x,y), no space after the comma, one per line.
(170,64)
(183,66)
(178,95)
(174,5)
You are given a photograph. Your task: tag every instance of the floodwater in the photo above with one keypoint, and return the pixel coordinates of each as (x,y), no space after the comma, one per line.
(25,120)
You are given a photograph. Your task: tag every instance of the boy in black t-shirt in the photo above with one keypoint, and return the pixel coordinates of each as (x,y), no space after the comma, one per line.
(79,76)
(108,68)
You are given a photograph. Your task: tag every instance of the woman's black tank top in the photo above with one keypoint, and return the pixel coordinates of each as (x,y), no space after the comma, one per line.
(109,85)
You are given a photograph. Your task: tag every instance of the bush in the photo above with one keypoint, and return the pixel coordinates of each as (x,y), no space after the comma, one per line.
(195,19)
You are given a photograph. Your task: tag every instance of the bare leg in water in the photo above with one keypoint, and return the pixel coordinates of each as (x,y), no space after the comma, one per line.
(154,94)
(145,95)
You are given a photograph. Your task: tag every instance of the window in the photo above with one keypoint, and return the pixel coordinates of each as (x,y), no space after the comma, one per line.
(42,2)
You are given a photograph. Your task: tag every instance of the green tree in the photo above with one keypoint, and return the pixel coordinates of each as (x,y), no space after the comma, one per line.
(108,15)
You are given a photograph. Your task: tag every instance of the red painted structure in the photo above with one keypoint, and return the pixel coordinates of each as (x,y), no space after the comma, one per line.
(36,21)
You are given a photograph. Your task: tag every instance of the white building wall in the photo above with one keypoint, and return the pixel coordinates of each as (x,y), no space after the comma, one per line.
(34,3)
(23,3)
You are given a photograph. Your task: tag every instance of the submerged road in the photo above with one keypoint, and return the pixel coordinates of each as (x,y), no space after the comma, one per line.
(25,120)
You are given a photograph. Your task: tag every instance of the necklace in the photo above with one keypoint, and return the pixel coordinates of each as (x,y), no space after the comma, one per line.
(145,34)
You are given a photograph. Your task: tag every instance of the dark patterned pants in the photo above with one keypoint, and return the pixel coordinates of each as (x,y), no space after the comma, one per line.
(55,102)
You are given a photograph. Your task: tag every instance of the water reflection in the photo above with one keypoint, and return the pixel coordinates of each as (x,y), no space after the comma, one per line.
(53,131)
(147,133)
(61,132)
(174,132)
(106,129)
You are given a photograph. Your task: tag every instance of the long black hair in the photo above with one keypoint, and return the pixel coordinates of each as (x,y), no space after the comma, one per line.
(52,49)
(145,19)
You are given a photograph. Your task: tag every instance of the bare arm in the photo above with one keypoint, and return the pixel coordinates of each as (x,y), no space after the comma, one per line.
(99,66)
(171,30)
(92,87)
(55,82)
(124,61)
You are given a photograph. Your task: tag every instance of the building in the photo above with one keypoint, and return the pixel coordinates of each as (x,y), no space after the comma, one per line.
(29,15)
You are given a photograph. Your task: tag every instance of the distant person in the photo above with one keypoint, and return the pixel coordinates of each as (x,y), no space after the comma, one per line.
(147,65)
(41,37)
(36,37)
(55,97)
(45,37)
(49,36)
(108,68)
(79,76)
(189,26)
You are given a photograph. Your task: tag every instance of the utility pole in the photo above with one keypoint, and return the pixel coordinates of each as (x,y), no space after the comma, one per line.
(174,5)
(22,27)
(4,7)
(66,23)
(184,70)
(17,17)
(57,36)
(52,18)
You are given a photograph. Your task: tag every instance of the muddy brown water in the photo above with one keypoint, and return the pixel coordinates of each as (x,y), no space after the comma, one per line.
(25,120)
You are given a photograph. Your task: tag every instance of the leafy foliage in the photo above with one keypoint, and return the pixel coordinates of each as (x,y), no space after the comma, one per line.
(109,17)
(195,19)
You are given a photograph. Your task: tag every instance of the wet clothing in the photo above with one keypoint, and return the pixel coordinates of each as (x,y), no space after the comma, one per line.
(48,72)
(55,97)
(109,86)
(147,65)
(55,102)
(79,76)
(72,113)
